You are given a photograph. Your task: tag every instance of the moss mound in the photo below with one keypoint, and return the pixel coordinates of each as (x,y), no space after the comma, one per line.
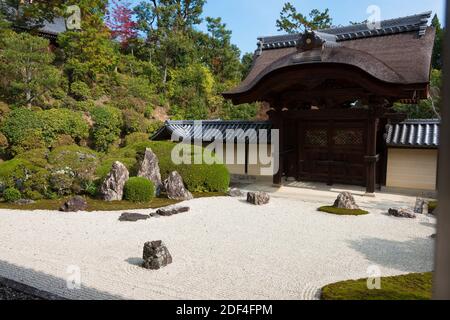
(343,212)
(432,206)
(408,287)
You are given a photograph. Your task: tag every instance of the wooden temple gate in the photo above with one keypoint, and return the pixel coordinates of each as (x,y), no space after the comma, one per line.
(331,94)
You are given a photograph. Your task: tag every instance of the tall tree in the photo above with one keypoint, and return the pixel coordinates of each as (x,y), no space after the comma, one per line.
(30,14)
(89,52)
(292,21)
(26,67)
(120,22)
(220,54)
(437,51)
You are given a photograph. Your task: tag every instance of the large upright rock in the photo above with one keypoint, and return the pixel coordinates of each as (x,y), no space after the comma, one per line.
(175,189)
(112,187)
(149,169)
(345,200)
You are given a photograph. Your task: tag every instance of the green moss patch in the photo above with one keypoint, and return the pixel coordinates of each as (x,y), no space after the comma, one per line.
(343,212)
(408,287)
(100,205)
(432,206)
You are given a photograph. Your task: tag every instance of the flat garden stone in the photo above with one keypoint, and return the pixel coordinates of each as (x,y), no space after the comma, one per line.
(156,255)
(235,193)
(24,202)
(74,205)
(402,213)
(258,198)
(167,212)
(133,217)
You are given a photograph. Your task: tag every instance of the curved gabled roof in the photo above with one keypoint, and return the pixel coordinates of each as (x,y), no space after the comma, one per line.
(399,52)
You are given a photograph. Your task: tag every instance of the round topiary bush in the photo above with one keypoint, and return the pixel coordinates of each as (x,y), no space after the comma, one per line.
(12,195)
(139,189)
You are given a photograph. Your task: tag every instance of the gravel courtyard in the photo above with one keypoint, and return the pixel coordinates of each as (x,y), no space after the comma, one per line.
(222,249)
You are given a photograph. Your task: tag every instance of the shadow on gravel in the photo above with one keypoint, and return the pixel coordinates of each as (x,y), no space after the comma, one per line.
(407,256)
(39,283)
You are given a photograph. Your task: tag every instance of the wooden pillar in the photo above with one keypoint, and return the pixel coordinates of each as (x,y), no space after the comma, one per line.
(276,117)
(372,157)
(442,268)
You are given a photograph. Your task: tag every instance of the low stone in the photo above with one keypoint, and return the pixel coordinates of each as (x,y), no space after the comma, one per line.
(156,255)
(418,208)
(402,213)
(133,217)
(345,200)
(167,212)
(235,193)
(149,168)
(74,205)
(24,202)
(258,198)
(112,187)
(175,188)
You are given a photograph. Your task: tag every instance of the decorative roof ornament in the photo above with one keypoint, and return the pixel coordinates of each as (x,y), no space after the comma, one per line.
(311,40)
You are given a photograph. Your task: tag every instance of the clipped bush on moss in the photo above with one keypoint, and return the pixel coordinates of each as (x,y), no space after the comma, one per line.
(139,189)
(12,195)
(343,212)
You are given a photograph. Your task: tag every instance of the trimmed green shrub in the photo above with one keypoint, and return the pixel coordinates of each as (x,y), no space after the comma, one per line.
(343,212)
(139,189)
(134,122)
(107,127)
(33,195)
(12,195)
(80,90)
(57,122)
(17,126)
(135,138)
(26,129)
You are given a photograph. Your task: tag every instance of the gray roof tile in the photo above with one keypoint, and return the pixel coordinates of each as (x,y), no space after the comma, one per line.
(414,134)
(212,130)
(416,22)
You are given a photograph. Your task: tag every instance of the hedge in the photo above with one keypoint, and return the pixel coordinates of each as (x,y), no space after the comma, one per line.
(12,195)
(139,189)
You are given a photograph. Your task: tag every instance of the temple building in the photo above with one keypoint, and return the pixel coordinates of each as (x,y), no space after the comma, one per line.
(331,94)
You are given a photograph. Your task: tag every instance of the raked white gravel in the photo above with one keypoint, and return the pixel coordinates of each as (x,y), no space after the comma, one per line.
(222,249)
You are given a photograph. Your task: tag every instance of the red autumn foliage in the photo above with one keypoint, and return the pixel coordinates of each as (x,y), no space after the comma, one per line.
(120,22)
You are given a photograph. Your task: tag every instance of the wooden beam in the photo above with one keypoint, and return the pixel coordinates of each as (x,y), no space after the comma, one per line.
(442,267)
